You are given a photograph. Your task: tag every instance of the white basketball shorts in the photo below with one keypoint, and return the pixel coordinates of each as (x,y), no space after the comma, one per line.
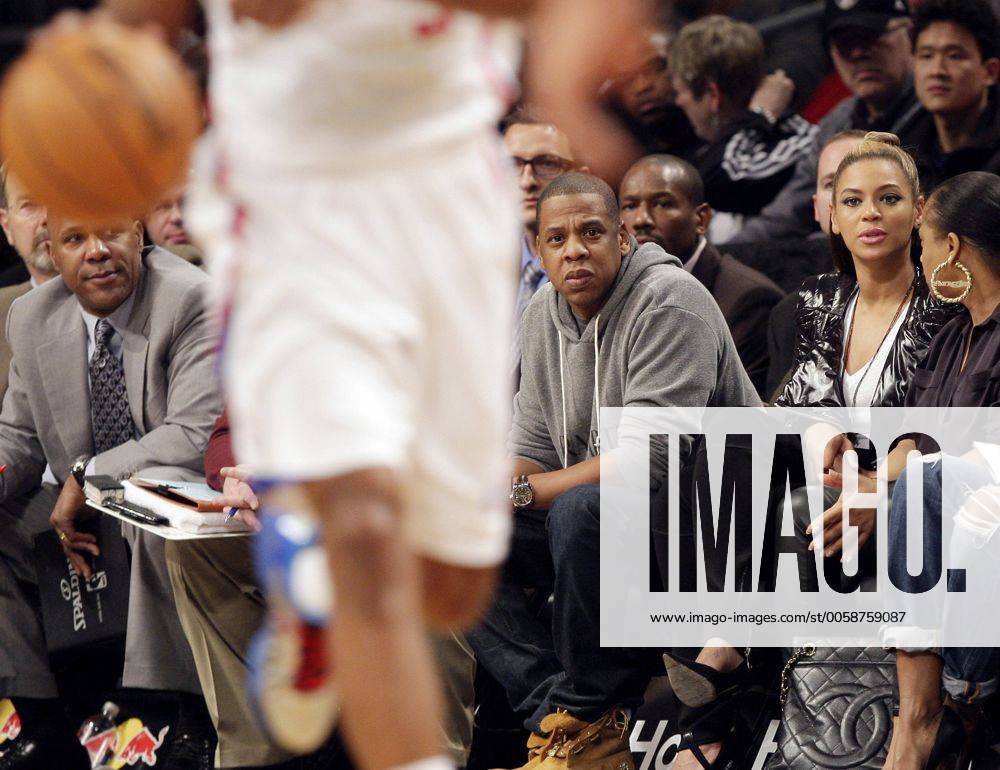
(369,328)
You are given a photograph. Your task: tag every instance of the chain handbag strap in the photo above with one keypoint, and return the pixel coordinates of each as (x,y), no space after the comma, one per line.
(805,651)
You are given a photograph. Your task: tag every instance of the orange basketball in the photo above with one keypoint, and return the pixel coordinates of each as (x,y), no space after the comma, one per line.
(98,121)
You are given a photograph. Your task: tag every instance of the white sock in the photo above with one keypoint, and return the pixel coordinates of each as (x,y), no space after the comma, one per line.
(440,762)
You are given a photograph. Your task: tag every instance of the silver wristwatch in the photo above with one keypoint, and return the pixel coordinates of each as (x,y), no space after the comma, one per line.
(79,468)
(521,493)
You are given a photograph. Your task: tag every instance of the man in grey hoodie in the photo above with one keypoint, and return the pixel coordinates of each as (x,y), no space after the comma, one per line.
(618,325)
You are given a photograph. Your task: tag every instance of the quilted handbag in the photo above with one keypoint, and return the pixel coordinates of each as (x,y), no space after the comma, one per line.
(837,705)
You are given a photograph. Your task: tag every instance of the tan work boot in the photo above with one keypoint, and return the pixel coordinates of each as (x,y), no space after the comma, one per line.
(537,746)
(571,742)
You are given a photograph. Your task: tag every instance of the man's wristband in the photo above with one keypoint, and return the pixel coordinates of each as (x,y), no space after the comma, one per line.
(766,114)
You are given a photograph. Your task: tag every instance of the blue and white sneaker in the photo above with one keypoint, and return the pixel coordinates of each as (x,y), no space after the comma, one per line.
(291,673)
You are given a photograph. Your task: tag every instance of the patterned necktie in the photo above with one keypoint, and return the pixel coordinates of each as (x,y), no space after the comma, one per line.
(531,276)
(109,410)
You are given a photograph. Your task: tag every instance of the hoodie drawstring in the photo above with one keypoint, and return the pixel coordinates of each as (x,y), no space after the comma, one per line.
(597,391)
(597,379)
(562,387)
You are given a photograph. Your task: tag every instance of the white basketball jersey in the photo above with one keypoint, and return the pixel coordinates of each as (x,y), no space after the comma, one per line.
(355,83)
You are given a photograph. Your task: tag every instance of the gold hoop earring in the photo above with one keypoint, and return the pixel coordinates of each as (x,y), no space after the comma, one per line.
(936,283)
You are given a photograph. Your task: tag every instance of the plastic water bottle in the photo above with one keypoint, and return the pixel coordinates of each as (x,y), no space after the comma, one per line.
(98,735)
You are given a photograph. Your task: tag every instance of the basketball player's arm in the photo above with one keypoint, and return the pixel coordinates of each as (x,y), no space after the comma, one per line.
(169,15)
(173,15)
(511,9)
(547,486)
(577,45)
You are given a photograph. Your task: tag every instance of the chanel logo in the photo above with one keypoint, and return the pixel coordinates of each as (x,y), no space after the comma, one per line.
(853,753)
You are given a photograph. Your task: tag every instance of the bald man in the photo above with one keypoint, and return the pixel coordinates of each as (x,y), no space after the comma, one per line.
(663,202)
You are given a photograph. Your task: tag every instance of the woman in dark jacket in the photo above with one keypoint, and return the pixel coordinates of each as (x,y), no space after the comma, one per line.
(841,361)
(861,333)
(883,277)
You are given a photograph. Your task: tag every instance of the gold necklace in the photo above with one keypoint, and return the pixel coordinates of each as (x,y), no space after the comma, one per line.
(850,336)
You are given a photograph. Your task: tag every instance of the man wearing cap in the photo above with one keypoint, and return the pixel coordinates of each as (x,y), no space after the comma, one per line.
(870,45)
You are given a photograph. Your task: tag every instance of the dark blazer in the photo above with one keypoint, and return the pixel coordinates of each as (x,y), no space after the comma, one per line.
(781,343)
(981,151)
(745,296)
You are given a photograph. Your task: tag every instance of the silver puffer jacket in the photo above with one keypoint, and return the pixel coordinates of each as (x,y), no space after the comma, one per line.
(819,344)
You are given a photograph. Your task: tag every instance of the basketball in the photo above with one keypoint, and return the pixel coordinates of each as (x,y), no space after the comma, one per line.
(98,120)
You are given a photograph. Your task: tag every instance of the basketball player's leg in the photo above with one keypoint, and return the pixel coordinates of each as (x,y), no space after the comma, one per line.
(383,664)
(455,597)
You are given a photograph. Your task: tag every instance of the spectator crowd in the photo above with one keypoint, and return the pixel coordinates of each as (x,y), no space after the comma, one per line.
(755,254)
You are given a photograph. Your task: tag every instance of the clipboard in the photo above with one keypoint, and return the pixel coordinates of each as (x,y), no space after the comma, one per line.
(164,530)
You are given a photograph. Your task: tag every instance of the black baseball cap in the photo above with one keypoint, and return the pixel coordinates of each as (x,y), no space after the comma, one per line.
(873,15)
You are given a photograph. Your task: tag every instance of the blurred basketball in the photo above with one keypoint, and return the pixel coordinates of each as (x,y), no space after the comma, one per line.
(98,120)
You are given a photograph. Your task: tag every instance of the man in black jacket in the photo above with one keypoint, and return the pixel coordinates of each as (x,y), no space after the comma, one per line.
(956,65)
(663,202)
(750,151)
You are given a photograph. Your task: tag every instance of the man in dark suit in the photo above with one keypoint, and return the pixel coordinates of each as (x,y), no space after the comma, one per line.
(662,201)
(24,223)
(112,373)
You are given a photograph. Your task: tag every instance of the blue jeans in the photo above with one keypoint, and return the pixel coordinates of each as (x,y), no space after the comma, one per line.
(545,666)
(971,674)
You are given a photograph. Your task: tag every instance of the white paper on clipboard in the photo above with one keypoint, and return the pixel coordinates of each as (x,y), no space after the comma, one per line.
(165,531)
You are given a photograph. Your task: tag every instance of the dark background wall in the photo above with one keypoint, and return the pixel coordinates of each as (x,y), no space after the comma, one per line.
(17,19)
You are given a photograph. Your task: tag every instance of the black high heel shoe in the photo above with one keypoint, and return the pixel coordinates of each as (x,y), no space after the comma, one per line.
(696,684)
(714,710)
(949,741)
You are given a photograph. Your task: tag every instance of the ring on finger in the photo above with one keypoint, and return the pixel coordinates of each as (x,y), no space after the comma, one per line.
(62,536)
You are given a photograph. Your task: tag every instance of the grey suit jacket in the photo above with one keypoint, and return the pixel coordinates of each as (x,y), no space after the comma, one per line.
(168,358)
(7,296)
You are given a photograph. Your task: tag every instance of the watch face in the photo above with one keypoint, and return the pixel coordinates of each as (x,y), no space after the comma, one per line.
(522,495)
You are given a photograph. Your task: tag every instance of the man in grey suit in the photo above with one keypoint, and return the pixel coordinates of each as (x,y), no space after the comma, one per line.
(112,373)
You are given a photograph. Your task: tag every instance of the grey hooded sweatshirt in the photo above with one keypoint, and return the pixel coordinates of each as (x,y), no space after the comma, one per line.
(659,340)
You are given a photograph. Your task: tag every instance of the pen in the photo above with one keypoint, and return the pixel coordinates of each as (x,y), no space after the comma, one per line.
(230,513)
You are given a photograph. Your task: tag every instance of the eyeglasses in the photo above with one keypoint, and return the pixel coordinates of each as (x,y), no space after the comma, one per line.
(545,167)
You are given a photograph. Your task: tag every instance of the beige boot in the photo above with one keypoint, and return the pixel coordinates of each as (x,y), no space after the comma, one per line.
(599,745)
(538,745)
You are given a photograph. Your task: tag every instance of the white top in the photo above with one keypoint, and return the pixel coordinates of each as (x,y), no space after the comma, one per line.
(693,259)
(859,388)
(355,84)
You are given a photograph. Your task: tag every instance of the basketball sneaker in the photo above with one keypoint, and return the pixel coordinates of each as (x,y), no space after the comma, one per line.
(290,681)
